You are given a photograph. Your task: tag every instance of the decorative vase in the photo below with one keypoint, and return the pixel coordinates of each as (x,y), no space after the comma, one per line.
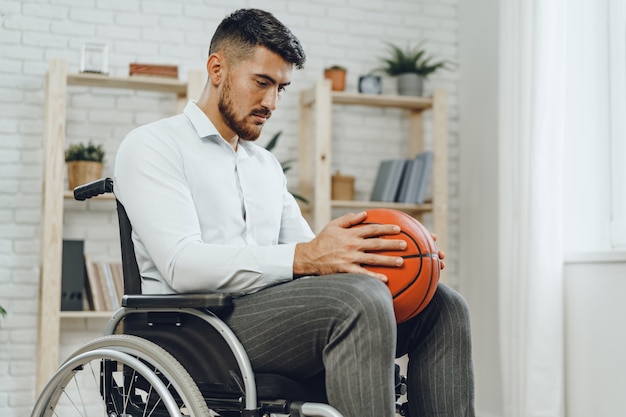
(338,78)
(410,84)
(82,172)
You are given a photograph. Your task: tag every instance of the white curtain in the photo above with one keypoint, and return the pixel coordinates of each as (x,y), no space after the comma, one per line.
(532,94)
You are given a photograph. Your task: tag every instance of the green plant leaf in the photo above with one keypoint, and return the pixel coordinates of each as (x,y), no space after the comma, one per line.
(299,197)
(82,152)
(410,60)
(273,141)
(286,165)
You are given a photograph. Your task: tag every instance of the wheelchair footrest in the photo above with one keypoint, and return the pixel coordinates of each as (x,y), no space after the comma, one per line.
(402,409)
(275,407)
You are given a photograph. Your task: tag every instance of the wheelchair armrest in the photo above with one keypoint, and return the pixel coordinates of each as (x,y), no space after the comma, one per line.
(203,301)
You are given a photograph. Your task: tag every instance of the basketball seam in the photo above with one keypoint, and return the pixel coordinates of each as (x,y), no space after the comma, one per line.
(430,283)
(416,275)
(433,254)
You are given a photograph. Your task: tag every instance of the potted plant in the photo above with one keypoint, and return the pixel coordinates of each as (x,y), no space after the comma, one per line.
(411,66)
(337,75)
(84,163)
(286,165)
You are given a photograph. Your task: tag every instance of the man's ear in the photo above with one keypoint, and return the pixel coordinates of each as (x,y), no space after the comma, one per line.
(215,67)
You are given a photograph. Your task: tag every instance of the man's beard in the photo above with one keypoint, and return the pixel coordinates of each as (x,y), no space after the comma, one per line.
(243,130)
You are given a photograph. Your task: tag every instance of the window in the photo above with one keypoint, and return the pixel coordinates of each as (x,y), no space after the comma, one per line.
(617,68)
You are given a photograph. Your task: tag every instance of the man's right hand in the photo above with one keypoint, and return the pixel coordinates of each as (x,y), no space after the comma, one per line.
(339,247)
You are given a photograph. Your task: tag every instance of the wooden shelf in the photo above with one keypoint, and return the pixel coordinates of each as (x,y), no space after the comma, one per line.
(374,100)
(409,208)
(400,102)
(85,314)
(136,82)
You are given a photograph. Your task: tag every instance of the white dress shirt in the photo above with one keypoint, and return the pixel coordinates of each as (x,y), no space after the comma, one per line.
(206,218)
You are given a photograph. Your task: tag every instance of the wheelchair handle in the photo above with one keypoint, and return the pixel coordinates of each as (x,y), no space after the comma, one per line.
(94,188)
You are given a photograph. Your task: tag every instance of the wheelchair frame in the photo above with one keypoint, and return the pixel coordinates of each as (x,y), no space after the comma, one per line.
(149,363)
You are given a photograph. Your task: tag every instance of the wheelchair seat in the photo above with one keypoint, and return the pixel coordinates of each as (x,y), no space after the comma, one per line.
(207,357)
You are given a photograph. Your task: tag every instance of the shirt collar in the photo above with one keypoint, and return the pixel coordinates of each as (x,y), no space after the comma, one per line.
(200,122)
(205,128)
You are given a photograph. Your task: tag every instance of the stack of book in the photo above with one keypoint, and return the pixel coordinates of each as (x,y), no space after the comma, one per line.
(403,180)
(104,285)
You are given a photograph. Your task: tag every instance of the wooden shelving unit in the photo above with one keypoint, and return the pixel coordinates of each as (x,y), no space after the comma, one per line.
(54,194)
(315,159)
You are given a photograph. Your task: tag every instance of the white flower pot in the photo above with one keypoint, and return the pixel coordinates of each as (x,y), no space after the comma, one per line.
(410,84)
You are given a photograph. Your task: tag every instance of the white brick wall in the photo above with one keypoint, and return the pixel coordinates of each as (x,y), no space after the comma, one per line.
(346,32)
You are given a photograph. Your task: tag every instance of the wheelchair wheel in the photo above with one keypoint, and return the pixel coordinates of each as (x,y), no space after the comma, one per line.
(121,376)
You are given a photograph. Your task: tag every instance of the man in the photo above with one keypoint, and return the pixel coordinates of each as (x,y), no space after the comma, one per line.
(211,212)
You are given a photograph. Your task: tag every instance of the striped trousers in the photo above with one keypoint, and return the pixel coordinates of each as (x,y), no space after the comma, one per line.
(343,328)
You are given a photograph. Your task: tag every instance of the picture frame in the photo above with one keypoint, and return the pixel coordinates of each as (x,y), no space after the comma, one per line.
(370,84)
(94,58)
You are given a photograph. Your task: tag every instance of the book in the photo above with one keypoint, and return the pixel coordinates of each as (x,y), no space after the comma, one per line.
(409,184)
(118,278)
(415,181)
(106,280)
(94,290)
(426,171)
(388,180)
(105,284)
(72,275)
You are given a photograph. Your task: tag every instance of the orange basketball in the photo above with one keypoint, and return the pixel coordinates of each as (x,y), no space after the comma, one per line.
(414,283)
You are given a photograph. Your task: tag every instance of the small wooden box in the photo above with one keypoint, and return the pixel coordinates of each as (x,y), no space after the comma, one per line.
(169,71)
(342,187)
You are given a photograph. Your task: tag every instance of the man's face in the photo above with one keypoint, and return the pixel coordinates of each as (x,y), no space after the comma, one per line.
(251,90)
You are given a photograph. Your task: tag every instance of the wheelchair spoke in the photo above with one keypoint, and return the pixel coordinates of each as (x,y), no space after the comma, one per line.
(126,392)
(97,379)
(121,375)
(169,385)
(80,396)
(155,404)
(74,404)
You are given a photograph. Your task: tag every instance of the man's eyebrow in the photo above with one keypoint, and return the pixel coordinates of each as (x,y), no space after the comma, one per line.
(271,80)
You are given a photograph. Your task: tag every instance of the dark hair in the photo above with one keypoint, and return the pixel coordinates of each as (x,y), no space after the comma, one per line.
(245,29)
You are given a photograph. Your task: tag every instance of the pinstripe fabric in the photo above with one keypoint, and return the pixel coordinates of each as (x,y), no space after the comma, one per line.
(440,371)
(342,325)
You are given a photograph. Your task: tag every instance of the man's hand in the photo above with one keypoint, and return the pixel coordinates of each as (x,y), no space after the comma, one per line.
(339,247)
(440,253)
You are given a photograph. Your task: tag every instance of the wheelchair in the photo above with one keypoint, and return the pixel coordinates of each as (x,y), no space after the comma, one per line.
(172,355)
